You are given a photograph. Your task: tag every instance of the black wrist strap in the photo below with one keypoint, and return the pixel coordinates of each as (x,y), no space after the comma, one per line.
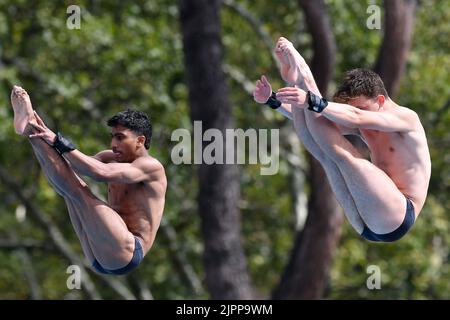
(62,144)
(316,103)
(273,102)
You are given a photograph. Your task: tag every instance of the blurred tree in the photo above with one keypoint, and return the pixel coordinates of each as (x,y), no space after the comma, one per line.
(218,195)
(398,30)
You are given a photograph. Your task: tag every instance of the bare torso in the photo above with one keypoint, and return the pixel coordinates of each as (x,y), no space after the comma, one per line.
(405,158)
(140,205)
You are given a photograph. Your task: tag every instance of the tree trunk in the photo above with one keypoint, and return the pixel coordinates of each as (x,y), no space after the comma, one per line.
(398,29)
(219,186)
(324,59)
(306,275)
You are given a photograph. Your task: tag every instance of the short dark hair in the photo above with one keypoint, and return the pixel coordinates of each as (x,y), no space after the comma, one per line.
(136,121)
(360,82)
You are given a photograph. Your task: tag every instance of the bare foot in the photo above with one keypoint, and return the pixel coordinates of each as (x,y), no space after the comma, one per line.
(300,69)
(286,71)
(23,110)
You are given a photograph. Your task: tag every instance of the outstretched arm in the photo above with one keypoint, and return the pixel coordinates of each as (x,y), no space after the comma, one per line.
(140,170)
(351,117)
(263,91)
(105,156)
(383,121)
(285,110)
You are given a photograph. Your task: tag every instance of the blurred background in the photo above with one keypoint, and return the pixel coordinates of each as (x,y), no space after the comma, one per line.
(227,231)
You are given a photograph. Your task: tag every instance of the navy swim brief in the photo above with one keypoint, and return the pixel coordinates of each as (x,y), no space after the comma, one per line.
(397,233)
(138,256)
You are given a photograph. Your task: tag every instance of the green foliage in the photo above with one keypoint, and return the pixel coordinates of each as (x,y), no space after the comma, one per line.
(130,54)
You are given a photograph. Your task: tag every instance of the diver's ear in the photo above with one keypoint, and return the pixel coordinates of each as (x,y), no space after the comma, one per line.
(381,99)
(141,141)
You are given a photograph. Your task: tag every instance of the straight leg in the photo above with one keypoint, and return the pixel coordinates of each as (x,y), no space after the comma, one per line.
(101,230)
(337,182)
(103,233)
(295,71)
(78,227)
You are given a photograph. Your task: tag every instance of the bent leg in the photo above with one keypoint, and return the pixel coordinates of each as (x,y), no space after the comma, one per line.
(381,205)
(335,178)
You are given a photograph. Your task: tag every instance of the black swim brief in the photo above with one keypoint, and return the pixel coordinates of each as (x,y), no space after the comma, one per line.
(138,256)
(397,233)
